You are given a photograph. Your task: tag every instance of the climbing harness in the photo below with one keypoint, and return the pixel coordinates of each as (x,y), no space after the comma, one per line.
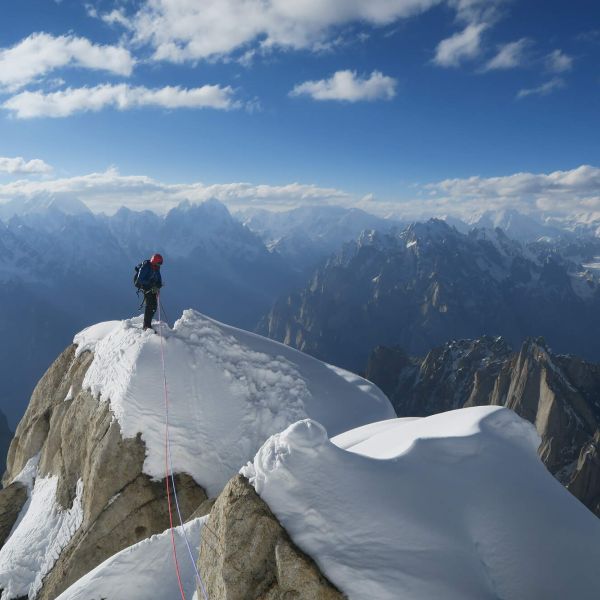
(169,474)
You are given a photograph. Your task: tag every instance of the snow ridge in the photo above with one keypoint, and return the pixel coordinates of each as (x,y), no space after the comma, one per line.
(229,390)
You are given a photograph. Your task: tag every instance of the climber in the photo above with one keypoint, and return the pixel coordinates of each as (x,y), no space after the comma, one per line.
(147,278)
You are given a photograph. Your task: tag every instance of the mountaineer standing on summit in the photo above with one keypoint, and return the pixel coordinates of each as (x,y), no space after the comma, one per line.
(149,280)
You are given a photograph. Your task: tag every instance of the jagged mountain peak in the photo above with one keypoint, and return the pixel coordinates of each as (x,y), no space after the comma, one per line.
(211,206)
(47,205)
(558,393)
(430,283)
(520,226)
(430,229)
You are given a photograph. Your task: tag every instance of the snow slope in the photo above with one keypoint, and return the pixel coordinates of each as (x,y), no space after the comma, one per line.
(144,570)
(454,506)
(229,390)
(37,538)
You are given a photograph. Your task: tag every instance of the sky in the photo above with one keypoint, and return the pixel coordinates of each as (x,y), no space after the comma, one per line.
(395,106)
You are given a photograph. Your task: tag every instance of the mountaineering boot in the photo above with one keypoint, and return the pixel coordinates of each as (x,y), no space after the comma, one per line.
(148,327)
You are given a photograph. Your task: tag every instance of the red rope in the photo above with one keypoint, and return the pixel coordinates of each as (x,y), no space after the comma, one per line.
(173,532)
(167,471)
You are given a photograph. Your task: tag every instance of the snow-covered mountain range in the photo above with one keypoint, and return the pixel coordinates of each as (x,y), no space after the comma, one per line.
(335,497)
(429,284)
(63,268)
(306,236)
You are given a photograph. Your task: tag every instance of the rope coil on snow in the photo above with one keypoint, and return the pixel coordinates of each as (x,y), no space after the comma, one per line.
(170,474)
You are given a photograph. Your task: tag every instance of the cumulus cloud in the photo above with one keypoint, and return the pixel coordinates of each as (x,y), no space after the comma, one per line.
(509,56)
(542,90)
(109,190)
(19,166)
(63,103)
(559,62)
(182,30)
(40,53)
(349,87)
(462,46)
(572,191)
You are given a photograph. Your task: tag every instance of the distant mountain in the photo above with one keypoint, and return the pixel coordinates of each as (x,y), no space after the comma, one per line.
(560,395)
(44,205)
(524,228)
(429,284)
(63,268)
(307,235)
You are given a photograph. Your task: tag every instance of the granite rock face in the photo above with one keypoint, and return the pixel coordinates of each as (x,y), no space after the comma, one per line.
(585,482)
(559,394)
(245,554)
(12,499)
(77,438)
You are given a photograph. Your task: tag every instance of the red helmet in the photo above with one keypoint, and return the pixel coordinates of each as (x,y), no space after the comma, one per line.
(156,259)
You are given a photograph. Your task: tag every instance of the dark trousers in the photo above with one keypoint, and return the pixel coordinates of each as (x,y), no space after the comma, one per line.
(151,304)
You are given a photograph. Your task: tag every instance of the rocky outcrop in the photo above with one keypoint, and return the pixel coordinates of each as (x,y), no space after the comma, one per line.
(560,395)
(77,439)
(12,499)
(245,554)
(585,483)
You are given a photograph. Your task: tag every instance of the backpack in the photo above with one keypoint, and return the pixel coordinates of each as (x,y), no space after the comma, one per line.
(138,280)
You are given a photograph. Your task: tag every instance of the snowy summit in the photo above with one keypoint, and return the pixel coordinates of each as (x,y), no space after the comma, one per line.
(229,390)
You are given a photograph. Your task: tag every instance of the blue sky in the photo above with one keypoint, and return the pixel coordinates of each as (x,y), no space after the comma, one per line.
(386,104)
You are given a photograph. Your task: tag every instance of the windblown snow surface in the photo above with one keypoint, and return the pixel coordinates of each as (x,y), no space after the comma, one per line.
(453,506)
(229,390)
(144,570)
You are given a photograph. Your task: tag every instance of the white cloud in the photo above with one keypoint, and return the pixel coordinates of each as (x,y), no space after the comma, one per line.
(181,30)
(18,166)
(559,62)
(573,194)
(348,86)
(567,192)
(40,53)
(542,90)
(509,56)
(478,11)
(27,105)
(109,190)
(465,45)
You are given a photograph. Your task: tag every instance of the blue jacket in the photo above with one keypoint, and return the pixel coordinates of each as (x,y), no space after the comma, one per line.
(148,277)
